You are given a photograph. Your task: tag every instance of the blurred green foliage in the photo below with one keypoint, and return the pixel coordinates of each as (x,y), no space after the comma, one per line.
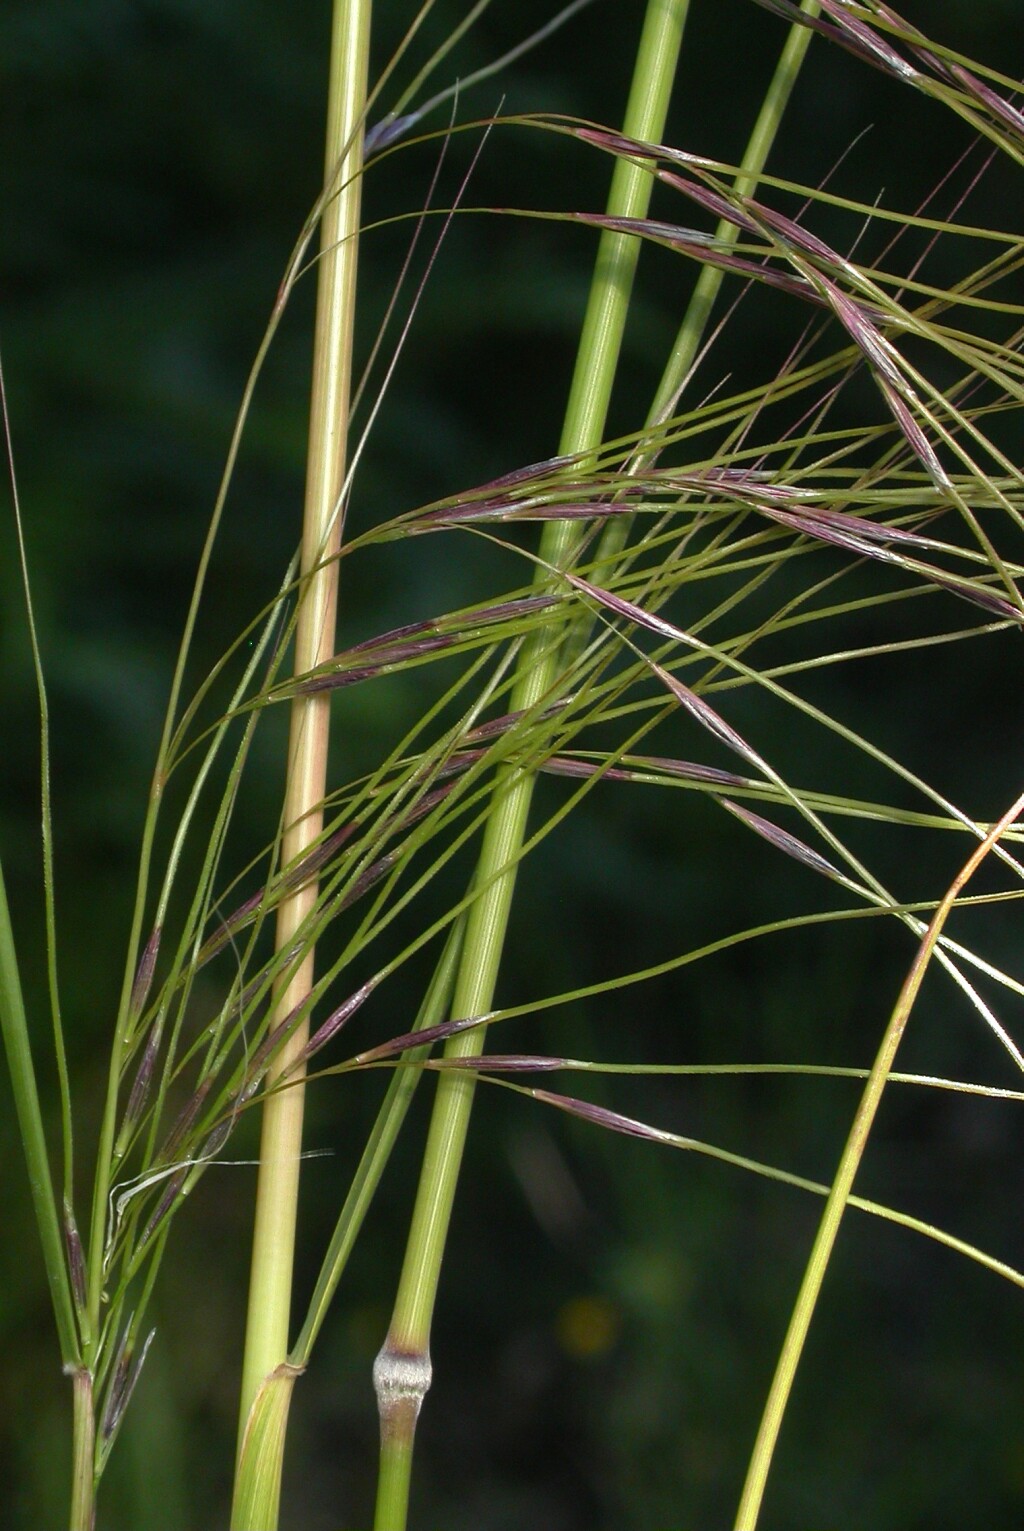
(610,1312)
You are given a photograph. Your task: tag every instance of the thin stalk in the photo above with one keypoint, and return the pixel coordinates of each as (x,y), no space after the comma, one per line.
(402,1370)
(14,1025)
(49,890)
(839,1196)
(759,146)
(168,753)
(277,1191)
(398,122)
(705,292)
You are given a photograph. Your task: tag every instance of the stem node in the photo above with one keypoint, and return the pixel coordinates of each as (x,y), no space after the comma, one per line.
(401,1380)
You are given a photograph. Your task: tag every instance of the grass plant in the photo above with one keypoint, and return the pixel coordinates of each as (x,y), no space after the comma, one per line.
(668,607)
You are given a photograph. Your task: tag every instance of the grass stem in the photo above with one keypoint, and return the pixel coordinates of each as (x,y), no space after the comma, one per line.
(281,1141)
(408,1342)
(83,1471)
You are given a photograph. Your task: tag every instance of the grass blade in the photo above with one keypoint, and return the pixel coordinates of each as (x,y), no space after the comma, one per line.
(14,1025)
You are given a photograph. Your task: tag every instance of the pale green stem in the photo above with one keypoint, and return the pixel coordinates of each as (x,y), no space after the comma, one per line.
(281,1142)
(83,1471)
(402,1371)
(839,1196)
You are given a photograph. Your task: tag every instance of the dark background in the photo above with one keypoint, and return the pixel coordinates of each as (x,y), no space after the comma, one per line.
(610,1311)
